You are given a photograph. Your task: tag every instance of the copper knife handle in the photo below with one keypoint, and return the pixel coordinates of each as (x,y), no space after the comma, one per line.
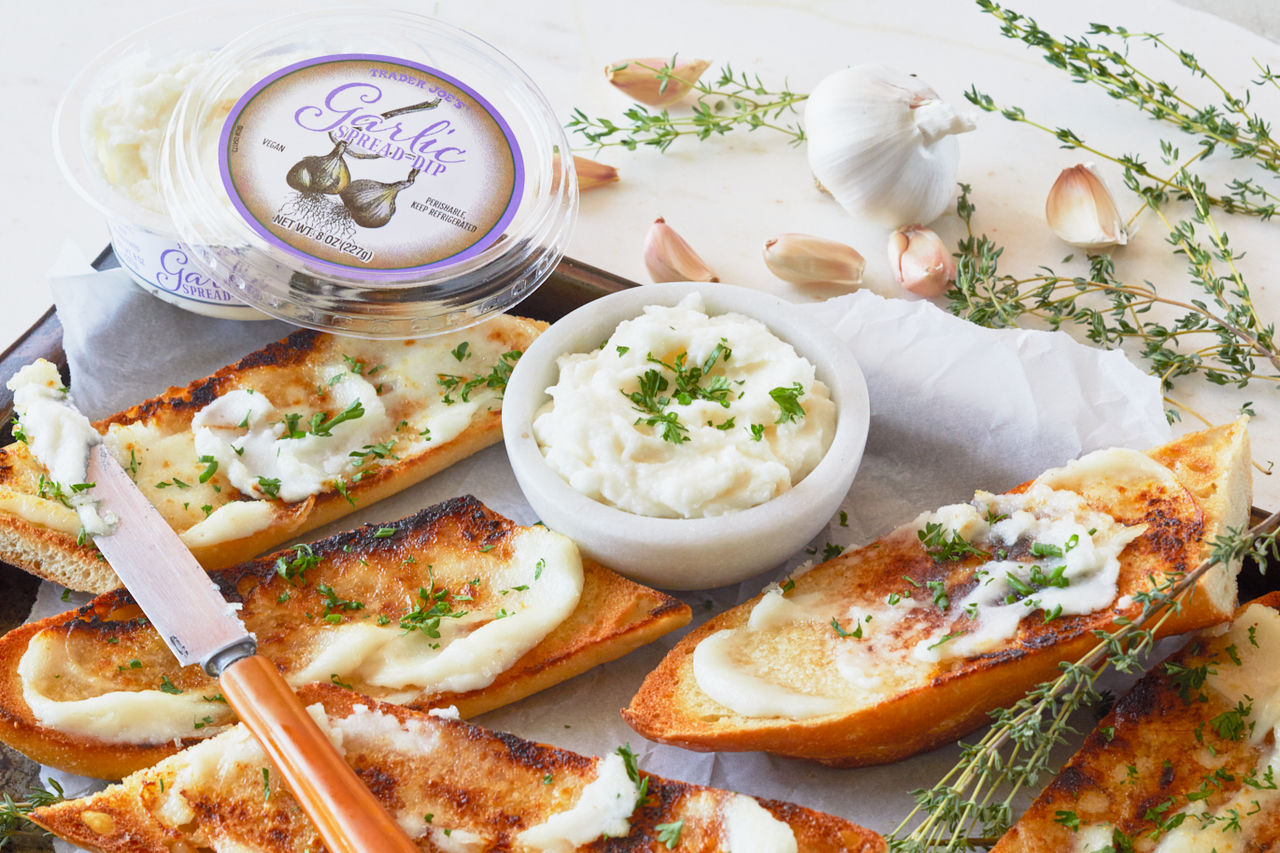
(346,814)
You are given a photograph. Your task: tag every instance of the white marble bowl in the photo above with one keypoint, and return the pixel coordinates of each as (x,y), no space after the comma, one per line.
(697,553)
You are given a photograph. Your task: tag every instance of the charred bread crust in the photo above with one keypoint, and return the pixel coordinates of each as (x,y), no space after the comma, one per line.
(1179,761)
(614,616)
(488,783)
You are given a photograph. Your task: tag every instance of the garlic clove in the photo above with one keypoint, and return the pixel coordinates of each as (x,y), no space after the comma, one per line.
(920,261)
(803,259)
(1081,210)
(590,173)
(669,258)
(883,144)
(656,82)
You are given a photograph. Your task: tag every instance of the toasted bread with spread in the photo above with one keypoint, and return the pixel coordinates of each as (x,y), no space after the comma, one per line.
(909,642)
(1185,761)
(454,605)
(357,420)
(452,786)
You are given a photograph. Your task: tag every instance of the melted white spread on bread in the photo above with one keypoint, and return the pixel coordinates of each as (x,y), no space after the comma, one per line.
(1072,565)
(603,808)
(750,826)
(543,582)
(1051,553)
(59,437)
(543,586)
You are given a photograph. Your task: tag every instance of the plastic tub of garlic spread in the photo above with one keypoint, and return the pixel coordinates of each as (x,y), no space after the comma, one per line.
(108,136)
(374,173)
(389,176)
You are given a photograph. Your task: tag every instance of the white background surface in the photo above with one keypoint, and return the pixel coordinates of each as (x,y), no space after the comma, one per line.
(730,195)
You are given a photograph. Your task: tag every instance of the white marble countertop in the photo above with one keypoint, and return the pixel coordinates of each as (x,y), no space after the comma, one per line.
(729,195)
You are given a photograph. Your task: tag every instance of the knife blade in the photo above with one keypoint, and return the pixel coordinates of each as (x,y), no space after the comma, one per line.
(187,609)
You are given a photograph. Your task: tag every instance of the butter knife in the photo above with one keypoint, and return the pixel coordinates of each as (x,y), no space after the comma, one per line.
(199,626)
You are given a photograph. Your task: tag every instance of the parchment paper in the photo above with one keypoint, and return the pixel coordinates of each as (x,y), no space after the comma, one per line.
(954,408)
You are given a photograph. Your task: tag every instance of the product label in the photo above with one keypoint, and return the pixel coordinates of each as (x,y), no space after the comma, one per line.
(371,163)
(164,266)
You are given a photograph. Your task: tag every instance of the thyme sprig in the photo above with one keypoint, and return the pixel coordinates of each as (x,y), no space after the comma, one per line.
(14,820)
(1222,338)
(1217,335)
(1229,124)
(734,101)
(975,799)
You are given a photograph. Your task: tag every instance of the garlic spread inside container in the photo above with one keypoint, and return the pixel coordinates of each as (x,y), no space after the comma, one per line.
(684,415)
(126,125)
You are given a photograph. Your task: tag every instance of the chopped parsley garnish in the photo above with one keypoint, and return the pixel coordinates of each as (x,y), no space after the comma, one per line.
(788,400)
(462,351)
(633,773)
(856,633)
(269,486)
(359,368)
(831,551)
(757,431)
(340,486)
(291,426)
(433,605)
(381,450)
(333,603)
(669,833)
(210,468)
(167,686)
(384,532)
(323,427)
(946,638)
(495,379)
(1231,725)
(939,589)
(334,678)
(293,568)
(943,545)
(1044,549)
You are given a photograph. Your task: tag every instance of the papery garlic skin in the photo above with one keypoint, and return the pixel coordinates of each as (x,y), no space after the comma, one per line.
(804,259)
(668,257)
(592,174)
(920,261)
(1081,210)
(882,143)
(641,80)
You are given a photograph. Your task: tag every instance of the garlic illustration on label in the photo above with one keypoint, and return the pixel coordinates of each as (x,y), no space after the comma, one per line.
(371,163)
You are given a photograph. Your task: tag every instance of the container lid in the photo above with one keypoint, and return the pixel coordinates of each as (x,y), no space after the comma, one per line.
(379,174)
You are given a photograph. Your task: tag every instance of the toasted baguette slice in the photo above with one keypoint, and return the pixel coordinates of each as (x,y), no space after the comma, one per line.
(124,703)
(879,696)
(422,385)
(453,786)
(1186,761)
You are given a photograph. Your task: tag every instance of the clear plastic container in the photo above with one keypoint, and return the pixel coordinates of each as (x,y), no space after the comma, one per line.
(108,133)
(374,173)
(390,176)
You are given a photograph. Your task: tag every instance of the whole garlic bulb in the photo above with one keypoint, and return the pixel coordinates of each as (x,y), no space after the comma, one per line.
(882,143)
